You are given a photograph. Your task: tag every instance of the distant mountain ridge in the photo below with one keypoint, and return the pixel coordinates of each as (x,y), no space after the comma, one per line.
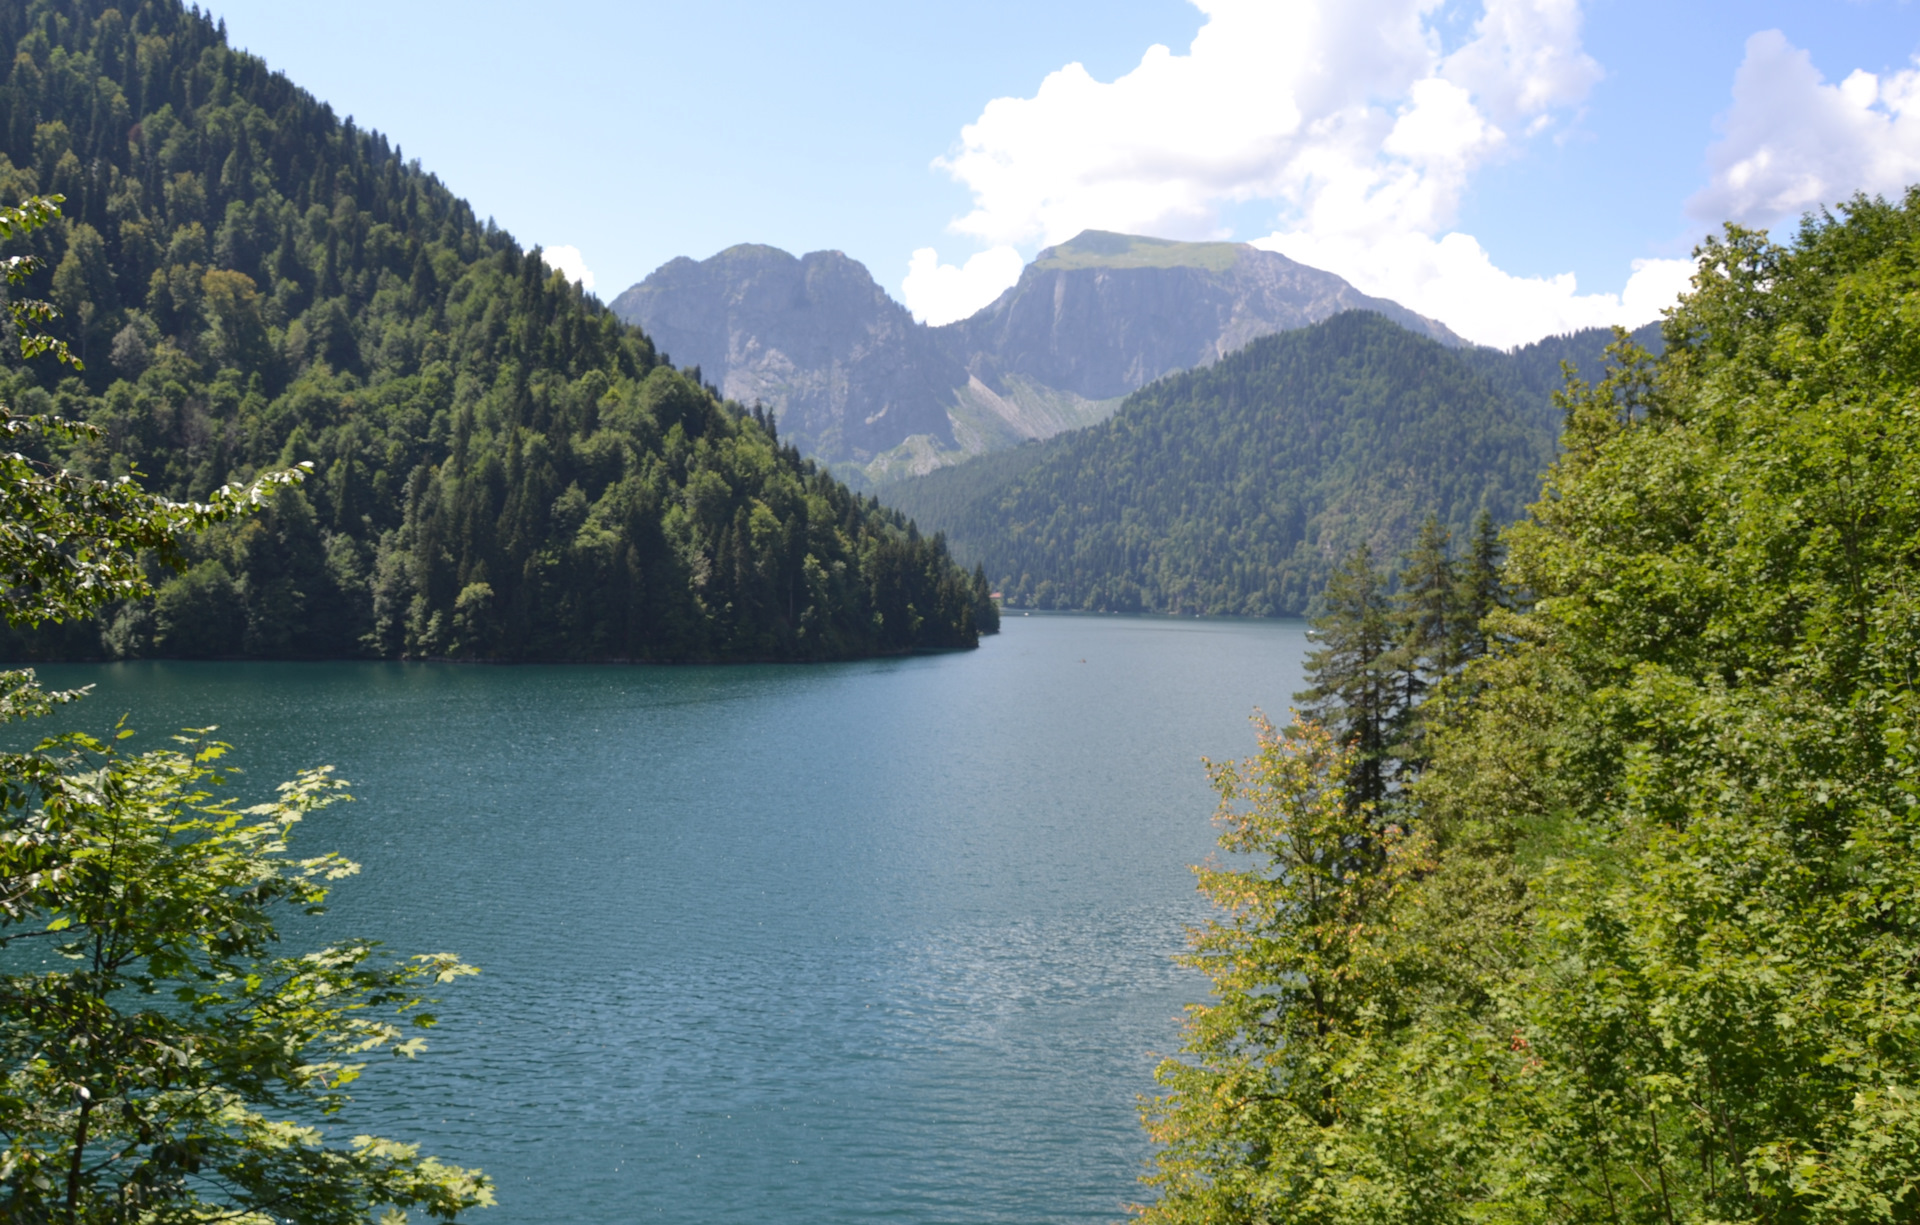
(1106,314)
(851,377)
(1235,488)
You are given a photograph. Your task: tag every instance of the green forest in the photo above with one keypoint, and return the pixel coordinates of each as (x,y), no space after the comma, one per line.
(1235,489)
(1582,886)
(1588,894)
(499,468)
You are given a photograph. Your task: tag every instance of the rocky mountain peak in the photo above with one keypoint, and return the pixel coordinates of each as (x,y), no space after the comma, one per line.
(845,368)
(852,377)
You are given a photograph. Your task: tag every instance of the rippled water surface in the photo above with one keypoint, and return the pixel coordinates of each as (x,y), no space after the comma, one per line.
(884,941)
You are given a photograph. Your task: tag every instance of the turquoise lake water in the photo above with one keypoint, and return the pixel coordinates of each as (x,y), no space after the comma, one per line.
(884,941)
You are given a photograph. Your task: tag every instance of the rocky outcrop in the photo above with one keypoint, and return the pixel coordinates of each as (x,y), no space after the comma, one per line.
(1106,314)
(847,371)
(852,377)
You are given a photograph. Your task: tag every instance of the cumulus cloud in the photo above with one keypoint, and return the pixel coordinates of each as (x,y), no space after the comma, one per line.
(568,260)
(940,293)
(1791,142)
(1453,279)
(1362,122)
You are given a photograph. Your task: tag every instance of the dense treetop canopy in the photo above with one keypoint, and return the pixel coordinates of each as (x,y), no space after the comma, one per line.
(502,469)
(1238,488)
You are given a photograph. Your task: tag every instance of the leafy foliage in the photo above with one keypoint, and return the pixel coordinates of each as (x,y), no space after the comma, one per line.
(147,1036)
(502,469)
(68,543)
(1238,488)
(1295,968)
(160,1062)
(1656,963)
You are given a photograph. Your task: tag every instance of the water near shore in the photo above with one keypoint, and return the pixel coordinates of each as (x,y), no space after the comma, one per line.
(885,941)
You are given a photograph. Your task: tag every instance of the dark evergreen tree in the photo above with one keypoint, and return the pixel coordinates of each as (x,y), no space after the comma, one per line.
(1430,617)
(1354,691)
(1482,588)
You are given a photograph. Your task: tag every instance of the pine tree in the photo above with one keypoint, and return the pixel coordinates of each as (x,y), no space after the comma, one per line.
(1431,619)
(1481,588)
(1353,692)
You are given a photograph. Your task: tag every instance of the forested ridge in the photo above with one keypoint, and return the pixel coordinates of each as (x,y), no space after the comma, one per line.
(1237,488)
(501,469)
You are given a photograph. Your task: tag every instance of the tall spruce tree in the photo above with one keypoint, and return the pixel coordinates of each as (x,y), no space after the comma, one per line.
(1481,588)
(1354,691)
(1430,615)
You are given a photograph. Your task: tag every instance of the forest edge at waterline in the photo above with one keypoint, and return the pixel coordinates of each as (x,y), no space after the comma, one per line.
(501,468)
(1582,889)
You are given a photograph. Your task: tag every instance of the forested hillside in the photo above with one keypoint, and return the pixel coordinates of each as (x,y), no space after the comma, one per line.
(1531,373)
(1236,488)
(501,468)
(1634,939)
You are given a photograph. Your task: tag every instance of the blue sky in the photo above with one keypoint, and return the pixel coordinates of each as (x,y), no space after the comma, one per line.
(1456,156)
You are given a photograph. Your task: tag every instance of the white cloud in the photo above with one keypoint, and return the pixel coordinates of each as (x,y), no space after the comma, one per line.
(1356,118)
(569,261)
(1792,142)
(1525,59)
(1453,279)
(940,293)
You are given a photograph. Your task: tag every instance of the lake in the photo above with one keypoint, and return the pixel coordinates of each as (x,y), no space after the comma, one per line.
(881,941)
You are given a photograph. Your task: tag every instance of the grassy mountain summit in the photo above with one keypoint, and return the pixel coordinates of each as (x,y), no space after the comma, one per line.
(1237,487)
(1106,249)
(503,469)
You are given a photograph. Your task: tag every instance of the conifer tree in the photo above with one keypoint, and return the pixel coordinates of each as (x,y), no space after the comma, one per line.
(1353,692)
(1431,616)
(1481,588)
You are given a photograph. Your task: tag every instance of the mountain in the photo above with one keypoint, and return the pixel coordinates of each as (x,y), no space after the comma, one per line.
(852,379)
(503,469)
(1234,488)
(845,367)
(1106,314)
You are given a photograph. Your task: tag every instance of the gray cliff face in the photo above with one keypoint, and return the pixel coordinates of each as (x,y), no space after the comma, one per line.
(1100,331)
(851,376)
(845,368)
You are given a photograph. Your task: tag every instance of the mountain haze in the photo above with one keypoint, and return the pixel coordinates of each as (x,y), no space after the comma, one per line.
(850,376)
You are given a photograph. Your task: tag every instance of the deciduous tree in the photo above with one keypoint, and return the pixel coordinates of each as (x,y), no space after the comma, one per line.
(161,1057)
